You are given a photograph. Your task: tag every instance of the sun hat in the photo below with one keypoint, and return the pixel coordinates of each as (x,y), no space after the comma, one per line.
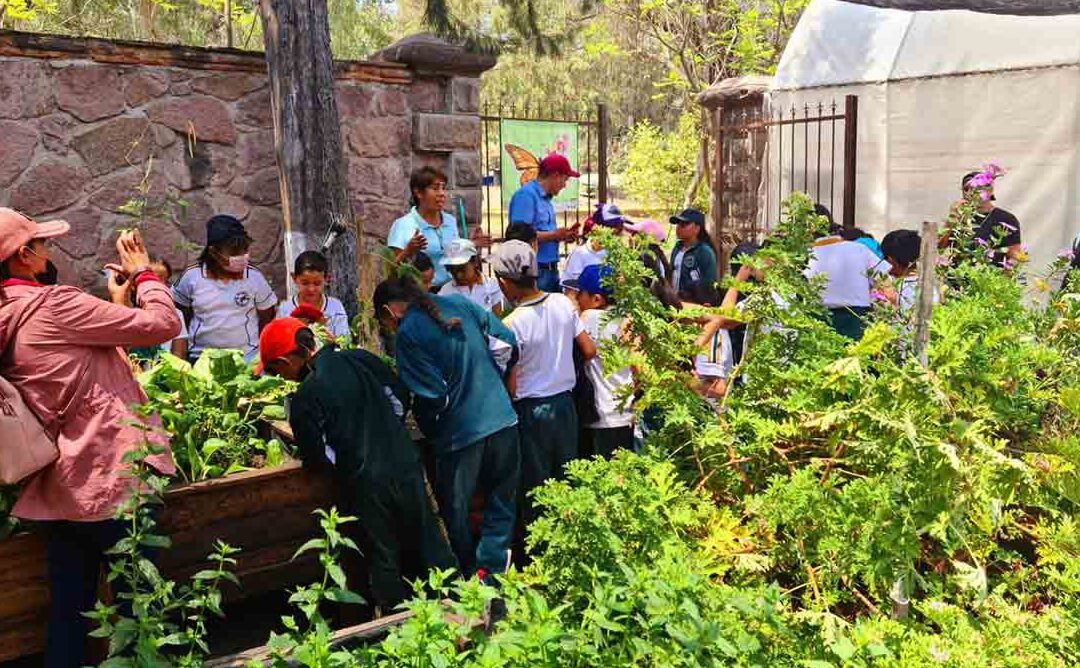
(458,251)
(16,231)
(554,163)
(514,260)
(650,227)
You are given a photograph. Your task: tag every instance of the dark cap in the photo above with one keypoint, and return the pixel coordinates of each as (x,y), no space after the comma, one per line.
(222,228)
(689,216)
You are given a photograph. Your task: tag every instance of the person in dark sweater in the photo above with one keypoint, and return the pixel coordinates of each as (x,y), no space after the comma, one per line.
(348,416)
(453,356)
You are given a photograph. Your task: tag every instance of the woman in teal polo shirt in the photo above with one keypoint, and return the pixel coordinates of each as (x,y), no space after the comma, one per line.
(693,260)
(427,227)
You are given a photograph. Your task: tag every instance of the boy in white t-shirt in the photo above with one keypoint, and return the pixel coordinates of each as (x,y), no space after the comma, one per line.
(462,262)
(311,272)
(614,426)
(225,301)
(547,327)
(850,269)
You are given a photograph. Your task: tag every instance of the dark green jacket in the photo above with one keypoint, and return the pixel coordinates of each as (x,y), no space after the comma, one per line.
(459,393)
(698,267)
(353,403)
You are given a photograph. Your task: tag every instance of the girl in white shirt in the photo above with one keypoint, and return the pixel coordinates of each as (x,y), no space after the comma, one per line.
(462,261)
(310,276)
(225,301)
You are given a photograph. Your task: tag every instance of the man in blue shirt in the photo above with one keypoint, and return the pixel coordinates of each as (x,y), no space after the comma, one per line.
(532,205)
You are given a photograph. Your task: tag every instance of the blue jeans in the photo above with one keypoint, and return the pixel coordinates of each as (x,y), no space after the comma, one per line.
(492,466)
(75,555)
(548,279)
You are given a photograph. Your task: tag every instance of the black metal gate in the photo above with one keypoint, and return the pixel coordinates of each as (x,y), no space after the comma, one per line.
(765,156)
(592,142)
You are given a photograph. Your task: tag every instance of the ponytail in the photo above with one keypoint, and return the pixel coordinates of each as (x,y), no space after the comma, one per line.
(403,289)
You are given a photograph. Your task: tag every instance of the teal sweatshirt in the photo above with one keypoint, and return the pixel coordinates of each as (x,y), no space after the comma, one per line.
(459,393)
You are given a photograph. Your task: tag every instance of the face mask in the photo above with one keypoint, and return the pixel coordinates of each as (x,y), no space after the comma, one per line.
(238,264)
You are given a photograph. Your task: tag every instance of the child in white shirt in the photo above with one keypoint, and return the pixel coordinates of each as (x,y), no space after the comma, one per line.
(225,301)
(310,276)
(462,262)
(614,427)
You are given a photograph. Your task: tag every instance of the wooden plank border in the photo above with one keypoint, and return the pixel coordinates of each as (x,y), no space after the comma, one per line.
(15,44)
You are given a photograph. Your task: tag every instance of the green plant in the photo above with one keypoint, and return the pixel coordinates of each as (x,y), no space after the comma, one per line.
(210,410)
(310,645)
(154,621)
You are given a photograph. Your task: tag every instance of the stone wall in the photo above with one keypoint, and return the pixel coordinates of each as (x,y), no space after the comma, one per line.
(87,127)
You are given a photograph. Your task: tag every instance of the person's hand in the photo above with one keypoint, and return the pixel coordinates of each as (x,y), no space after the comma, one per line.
(480,240)
(119,286)
(133,255)
(416,244)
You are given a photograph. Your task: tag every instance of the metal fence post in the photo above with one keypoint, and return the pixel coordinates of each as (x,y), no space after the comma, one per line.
(851,138)
(601,150)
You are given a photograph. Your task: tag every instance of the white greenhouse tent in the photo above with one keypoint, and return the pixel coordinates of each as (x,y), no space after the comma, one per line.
(942,92)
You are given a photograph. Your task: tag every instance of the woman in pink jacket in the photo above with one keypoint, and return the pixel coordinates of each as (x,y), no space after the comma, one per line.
(61,348)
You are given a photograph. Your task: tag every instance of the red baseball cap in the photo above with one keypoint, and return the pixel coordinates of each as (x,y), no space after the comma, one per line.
(277,340)
(16,231)
(554,163)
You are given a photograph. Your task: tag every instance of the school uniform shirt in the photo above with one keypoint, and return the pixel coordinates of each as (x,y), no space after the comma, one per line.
(718,361)
(486,294)
(545,328)
(337,320)
(182,336)
(583,256)
(850,269)
(405,227)
(607,388)
(692,265)
(224,313)
(459,394)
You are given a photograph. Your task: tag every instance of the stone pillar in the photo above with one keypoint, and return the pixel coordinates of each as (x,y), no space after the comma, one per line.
(736,159)
(444,99)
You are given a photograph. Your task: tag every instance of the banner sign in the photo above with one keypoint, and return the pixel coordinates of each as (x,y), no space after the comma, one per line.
(525,143)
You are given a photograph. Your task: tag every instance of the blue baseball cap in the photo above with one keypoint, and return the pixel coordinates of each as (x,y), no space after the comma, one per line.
(591,280)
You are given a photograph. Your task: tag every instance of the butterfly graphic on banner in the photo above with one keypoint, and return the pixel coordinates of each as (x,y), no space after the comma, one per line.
(524,161)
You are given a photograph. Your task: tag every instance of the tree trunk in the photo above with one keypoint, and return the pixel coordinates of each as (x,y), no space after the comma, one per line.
(307,137)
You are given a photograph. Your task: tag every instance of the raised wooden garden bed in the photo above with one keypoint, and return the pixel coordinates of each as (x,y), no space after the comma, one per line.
(267,513)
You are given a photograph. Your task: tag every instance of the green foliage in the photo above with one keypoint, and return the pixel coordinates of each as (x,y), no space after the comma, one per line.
(311,645)
(154,621)
(657,166)
(357,27)
(210,411)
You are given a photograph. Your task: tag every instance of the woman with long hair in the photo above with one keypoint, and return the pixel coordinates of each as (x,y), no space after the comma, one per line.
(693,260)
(444,357)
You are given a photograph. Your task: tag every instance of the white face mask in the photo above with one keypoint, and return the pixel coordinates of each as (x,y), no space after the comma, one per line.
(238,264)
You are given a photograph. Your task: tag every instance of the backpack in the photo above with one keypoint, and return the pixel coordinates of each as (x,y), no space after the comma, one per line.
(26,446)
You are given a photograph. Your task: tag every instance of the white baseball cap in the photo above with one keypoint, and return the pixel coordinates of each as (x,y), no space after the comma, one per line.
(458,251)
